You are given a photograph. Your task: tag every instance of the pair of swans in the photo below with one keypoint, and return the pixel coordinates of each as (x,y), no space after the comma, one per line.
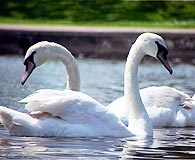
(71,113)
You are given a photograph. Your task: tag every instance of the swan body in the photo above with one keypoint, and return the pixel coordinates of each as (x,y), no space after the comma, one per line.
(51,115)
(74,114)
(166,107)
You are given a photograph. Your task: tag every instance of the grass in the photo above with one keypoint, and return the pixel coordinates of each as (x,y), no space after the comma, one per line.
(161,24)
(150,14)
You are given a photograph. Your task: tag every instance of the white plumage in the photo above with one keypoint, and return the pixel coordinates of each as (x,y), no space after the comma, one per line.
(166,107)
(74,114)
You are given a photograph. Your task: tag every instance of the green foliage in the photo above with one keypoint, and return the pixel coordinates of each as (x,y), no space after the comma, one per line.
(101,11)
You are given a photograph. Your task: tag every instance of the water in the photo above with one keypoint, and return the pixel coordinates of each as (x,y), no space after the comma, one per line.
(103,80)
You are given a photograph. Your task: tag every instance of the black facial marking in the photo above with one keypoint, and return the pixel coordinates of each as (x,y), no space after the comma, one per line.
(30,58)
(162,56)
(162,51)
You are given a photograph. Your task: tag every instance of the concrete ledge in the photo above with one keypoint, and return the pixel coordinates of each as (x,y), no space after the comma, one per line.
(94,42)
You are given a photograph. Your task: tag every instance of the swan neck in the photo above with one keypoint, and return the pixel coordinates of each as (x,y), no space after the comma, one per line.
(72,70)
(139,121)
(131,91)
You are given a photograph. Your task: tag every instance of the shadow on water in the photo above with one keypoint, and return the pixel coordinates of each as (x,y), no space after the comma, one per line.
(102,80)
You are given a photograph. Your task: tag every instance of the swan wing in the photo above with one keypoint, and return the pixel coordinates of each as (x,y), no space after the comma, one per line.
(164,104)
(162,96)
(82,115)
(61,103)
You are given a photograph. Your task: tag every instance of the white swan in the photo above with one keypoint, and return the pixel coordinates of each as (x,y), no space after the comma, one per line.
(166,107)
(74,114)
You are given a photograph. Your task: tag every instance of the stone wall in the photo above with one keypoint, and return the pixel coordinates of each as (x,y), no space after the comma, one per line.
(109,45)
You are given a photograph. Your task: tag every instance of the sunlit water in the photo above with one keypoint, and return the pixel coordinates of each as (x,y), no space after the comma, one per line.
(103,80)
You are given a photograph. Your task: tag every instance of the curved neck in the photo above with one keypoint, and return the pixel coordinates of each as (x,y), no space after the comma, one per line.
(72,70)
(139,121)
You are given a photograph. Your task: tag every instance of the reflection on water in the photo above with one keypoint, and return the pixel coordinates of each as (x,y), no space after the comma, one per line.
(56,148)
(102,80)
(166,144)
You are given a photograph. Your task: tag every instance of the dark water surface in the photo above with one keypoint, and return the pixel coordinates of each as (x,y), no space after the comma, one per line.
(103,80)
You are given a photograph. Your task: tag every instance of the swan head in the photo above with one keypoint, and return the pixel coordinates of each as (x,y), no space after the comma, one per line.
(35,56)
(154,45)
